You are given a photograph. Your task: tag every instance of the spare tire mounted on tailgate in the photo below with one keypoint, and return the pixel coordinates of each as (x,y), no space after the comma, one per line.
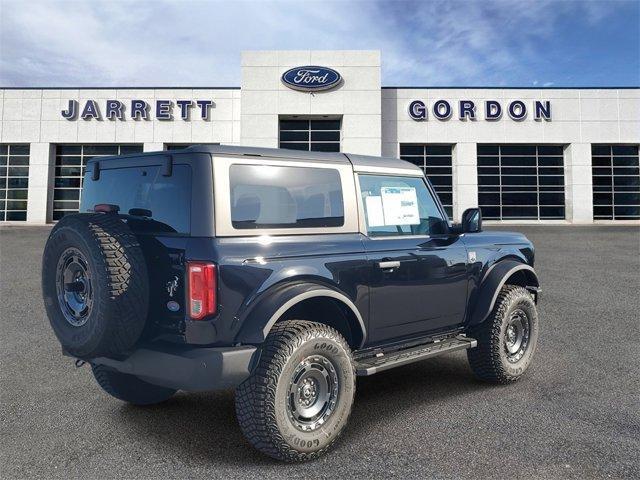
(95,285)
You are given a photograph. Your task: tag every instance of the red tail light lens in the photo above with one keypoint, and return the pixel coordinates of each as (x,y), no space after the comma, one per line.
(202,289)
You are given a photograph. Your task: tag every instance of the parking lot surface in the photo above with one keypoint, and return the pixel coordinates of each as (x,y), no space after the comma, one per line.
(576,414)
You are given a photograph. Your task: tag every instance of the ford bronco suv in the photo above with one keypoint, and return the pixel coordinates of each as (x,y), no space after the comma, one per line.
(284,275)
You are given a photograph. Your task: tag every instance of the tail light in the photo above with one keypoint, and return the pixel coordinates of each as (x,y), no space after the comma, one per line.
(202,288)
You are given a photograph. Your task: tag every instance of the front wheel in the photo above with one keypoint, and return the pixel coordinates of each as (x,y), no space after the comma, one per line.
(507,338)
(298,399)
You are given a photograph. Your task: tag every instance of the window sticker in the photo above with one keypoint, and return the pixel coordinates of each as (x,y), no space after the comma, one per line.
(400,206)
(375,212)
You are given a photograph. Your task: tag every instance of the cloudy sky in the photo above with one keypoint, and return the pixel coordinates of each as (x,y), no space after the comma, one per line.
(428,43)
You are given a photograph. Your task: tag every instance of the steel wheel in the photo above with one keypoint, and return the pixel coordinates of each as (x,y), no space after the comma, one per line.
(73,287)
(313,393)
(516,336)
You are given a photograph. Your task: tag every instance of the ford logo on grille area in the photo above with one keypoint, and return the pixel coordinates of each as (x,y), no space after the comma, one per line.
(311,78)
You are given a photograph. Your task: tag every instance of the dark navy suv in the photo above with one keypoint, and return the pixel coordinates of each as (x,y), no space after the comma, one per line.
(283,274)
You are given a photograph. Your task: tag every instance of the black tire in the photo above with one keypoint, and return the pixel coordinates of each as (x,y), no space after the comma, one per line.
(497,359)
(292,350)
(129,388)
(102,257)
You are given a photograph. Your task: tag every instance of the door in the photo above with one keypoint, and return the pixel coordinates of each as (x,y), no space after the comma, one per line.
(418,269)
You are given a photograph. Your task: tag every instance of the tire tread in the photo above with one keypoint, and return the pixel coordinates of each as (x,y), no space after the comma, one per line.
(255,397)
(113,249)
(485,358)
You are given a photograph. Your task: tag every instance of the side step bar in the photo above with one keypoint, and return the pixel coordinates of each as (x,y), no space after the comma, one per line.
(381,362)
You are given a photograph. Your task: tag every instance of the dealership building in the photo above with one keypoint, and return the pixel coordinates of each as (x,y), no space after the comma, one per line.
(542,155)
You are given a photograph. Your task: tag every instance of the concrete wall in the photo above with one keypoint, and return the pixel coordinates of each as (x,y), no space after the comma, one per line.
(357,100)
(578,116)
(33,116)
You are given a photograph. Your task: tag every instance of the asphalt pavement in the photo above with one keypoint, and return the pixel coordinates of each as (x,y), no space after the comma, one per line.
(576,414)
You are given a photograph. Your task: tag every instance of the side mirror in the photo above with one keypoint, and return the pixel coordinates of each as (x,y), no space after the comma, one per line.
(472,220)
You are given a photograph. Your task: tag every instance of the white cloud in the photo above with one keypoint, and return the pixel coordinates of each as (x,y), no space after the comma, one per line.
(198,43)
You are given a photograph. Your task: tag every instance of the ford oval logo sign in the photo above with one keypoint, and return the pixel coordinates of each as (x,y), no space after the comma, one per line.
(311,78)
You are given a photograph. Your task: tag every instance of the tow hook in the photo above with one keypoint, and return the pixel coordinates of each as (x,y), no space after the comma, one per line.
(79,363)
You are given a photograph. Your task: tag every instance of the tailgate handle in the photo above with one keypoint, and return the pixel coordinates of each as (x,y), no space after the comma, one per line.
(389,265)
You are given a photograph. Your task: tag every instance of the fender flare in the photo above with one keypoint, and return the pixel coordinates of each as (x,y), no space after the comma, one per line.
(492,283)
(259,320)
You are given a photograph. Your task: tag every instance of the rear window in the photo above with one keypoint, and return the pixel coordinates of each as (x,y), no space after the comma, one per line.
(285,197)
(167,200)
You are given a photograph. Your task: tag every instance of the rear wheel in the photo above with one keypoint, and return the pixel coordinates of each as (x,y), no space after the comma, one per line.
(299,398)
(507,339)
(129,388)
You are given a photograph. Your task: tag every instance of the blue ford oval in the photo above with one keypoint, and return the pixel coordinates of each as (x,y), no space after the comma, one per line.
(311,78)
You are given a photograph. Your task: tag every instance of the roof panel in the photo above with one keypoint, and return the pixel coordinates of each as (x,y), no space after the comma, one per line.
(359,162)
(365,162)
(268,152)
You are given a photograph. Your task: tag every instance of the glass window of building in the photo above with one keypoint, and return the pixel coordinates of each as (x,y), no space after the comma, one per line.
(521,182)
(616,182)
(14,182)
(70,165)
(435,162)
(310,135)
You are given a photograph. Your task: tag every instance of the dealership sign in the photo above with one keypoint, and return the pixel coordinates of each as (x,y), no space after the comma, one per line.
(492,110)
(136,109)
(311,78)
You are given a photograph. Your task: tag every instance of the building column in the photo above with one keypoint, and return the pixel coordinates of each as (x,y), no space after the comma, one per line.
(578,183)
(41,178)
(153,147)
(465,178)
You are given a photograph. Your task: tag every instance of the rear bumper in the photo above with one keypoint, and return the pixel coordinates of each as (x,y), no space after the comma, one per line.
(192,368)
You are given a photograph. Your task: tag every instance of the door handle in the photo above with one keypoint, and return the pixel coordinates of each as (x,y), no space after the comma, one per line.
(389,265)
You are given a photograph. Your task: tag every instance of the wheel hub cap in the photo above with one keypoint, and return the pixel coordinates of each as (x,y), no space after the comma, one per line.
(313,393)
(308,392)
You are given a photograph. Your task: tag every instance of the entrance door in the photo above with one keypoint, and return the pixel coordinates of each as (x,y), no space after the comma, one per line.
(418,269)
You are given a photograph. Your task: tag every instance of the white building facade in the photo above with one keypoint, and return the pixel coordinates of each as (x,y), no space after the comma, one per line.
(523,155)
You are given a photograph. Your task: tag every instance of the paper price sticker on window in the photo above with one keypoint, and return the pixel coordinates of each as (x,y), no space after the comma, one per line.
(400,206)
(375,212)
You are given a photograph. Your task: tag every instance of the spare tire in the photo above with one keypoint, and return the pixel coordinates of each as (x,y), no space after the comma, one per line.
(95,285)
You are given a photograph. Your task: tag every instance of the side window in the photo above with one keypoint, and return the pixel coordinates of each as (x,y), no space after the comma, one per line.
(399,206)
(267,196)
